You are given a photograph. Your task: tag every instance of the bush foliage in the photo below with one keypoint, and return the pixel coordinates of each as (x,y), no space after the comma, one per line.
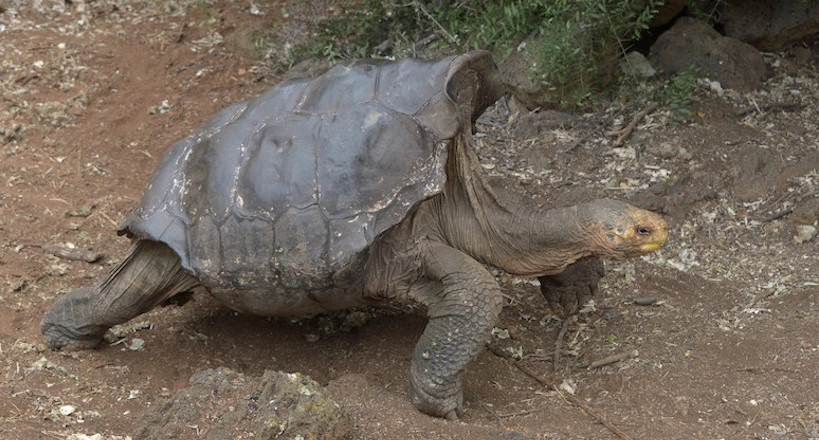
(574,42)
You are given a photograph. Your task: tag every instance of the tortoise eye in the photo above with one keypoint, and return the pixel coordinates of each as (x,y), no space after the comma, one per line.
(642,230)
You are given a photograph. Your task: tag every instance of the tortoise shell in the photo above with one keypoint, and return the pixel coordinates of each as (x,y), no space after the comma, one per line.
(297,184)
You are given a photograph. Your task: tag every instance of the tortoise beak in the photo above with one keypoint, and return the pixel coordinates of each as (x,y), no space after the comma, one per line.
(658,239)
(651,246)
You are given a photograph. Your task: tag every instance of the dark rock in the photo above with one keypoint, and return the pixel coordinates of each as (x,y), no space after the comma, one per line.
(534,83)
(734,64)
(516,73)
(771,25)
(222,404)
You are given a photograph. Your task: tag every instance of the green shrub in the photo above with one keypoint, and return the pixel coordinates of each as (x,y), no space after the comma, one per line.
(575,42)
(676,93)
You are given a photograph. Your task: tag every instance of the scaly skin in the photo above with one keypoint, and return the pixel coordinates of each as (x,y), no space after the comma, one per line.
(462,298)
(69,324)
(471,223)
(147,276)
(432,250)
(463,303)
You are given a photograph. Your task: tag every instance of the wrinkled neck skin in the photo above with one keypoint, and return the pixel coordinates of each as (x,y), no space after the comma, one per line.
(504,229)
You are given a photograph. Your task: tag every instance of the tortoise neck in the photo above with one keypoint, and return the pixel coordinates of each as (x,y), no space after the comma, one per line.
(502,228)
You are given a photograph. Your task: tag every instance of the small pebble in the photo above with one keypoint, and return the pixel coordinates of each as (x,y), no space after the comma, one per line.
(804,233)
(645,301)
(500,333)
(136,344)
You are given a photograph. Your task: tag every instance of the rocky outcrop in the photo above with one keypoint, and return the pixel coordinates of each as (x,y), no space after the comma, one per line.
(771,25)
(733,63)
(222,403)
(561,79)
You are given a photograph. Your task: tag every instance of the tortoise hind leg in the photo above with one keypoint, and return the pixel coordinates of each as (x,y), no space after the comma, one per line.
(150,274)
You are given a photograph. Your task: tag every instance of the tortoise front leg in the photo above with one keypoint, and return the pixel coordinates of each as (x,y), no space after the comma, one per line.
(149,274)
(569,290)
(463,302)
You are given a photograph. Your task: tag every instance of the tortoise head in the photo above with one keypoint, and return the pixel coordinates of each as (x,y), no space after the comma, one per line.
(619,230)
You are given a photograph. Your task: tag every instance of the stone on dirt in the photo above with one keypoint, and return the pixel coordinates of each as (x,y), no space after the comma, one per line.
(804,233)
(734,64)
(771,25)
(636,65)
(222,403)
(531,92)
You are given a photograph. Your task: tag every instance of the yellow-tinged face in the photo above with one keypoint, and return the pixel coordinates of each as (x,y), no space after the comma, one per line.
(632,232)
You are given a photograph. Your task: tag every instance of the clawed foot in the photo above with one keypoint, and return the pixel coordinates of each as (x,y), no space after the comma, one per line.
(436,403)
(61,325)
(61,338)
(569,290)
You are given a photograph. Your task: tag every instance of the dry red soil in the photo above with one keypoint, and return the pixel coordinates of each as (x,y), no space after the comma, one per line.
(93,92)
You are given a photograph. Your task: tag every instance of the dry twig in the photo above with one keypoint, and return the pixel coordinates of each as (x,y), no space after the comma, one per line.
(784,106)
(71,253)
(110,220)
(626,131)
(787,211)
(570,398)
(614,358)
(777,215)
(759,297)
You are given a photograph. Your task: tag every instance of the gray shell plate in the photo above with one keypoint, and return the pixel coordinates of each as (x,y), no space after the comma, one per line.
(296,184)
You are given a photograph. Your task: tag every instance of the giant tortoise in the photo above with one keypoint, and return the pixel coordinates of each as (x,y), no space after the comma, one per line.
(359,186)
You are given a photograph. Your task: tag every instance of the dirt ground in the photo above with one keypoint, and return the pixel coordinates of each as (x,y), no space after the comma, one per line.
(93,93)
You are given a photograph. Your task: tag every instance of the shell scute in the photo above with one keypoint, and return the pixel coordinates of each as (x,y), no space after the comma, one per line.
(296,184)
